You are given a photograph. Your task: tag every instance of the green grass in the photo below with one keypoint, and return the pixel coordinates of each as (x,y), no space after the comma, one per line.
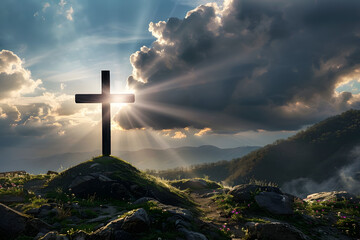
(210,184)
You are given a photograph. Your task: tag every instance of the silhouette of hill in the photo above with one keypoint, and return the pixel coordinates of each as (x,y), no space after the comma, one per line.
(317,153)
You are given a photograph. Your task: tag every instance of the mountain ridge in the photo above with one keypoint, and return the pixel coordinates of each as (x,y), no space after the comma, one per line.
(317,154)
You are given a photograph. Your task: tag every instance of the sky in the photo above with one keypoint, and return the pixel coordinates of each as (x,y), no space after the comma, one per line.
(225,73)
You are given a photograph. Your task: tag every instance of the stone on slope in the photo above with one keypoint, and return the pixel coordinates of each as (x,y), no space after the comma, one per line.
(331,196)
(273,231)
(190,235)
(136,222)
(11,198)
(246,192)
(274,203)
(54,236)
(14,223)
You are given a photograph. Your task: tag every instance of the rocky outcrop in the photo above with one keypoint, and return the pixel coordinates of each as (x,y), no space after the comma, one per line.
(275,203)
(247,192)
(273,231)
(14,223)
(136,222)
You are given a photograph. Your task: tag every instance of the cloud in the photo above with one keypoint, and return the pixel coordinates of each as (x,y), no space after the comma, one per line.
(69,14)
(26,108)
(14,79)
(202,132)
(247,65)
(179,135)
(62,3)
(46,5)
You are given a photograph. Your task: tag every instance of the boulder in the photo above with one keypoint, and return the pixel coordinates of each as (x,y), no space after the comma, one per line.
(11,198)
(274,203)
(54,236)
(246,192)
(143,200)
(273,231)
(14,223)
(333,196)
(190,235)
(136,222)
(99,185)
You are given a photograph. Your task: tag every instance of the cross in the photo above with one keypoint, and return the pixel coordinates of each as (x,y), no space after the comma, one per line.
(105,98)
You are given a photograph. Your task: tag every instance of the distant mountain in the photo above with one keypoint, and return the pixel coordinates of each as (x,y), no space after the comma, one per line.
(161,159)
(158,159)
(323,154)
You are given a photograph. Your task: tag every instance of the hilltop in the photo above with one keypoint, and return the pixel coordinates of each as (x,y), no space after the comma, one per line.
(108,199)
(317,154)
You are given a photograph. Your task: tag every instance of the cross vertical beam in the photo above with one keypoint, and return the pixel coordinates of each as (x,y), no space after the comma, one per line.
(106,121)
(105,98)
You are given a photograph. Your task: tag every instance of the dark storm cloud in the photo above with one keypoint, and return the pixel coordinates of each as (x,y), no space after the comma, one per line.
(249,65)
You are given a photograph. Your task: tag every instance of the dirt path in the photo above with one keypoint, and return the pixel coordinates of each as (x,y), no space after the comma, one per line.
(211,213)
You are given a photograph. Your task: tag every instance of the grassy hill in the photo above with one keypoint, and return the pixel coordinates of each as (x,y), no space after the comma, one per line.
(316,153)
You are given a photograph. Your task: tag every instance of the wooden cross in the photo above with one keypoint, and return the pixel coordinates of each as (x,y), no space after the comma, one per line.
(105,98)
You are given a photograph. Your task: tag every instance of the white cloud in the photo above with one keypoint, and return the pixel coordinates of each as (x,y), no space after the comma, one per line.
(46,5)
(69,14)
(202,132)
(179,135)
(14,79)
(62,3)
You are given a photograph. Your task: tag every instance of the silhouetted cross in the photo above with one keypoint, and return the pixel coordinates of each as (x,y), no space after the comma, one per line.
(105,98)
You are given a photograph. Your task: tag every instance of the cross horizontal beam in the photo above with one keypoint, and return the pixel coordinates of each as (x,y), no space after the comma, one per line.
(105,98)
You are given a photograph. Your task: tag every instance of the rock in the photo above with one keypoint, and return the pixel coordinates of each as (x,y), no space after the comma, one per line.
(246,192)
(99,185)
(274,231)
(274,203)
(52,173)
(108,231)
(332,196)
(119,191)
(54,236)
(11,198)
(14,223)
(80,180)
(136,222)
(143,200)
(80,235)
(122,235)
(190,235)
(33,211)
(177,211)
(94,165)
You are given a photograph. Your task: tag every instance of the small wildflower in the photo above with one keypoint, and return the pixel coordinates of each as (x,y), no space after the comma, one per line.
(237,213)
(232,211)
